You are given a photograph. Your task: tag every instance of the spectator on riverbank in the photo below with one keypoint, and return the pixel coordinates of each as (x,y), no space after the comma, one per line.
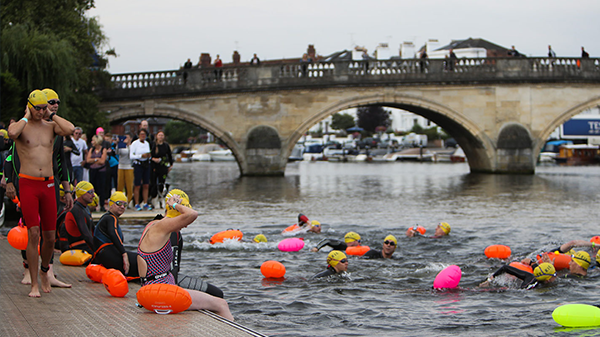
(162,162)
(97,159)
(139,153)
(125,172)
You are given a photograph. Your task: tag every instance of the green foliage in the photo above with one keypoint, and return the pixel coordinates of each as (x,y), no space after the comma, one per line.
(372,116)
(432,133)
(178,132)
(342,121)
(51,44)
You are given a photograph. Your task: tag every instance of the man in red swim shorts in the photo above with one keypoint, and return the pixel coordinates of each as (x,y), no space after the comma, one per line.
(34,136)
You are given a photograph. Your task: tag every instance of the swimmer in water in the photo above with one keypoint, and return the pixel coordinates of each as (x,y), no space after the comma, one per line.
(543,273)
(388,249)
(337,262)
(442,229)
(351,239)
(303,226)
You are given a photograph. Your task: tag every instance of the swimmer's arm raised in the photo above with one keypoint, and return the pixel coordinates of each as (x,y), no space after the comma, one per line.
(15,129)
(62,127)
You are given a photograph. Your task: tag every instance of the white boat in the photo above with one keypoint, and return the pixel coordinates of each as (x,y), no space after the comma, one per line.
(414,154)
(221,155)
(296,154)
(202,153)
(184,156)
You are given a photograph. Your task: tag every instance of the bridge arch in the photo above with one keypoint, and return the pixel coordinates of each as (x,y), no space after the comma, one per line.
(163,110)
(562,118)
(478,147)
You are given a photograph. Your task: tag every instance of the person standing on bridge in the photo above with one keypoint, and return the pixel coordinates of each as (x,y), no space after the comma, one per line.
(423,62)
(584,54)
(255,61)
(218,68)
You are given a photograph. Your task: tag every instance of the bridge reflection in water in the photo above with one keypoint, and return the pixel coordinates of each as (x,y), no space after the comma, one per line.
(500,110)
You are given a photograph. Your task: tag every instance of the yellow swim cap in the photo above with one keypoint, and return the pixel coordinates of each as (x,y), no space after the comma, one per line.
(82,188)
(117,196)
(598,257)
(37,97)
(185,201)
(351,237)
(4,134)
(544,271)
(61,189)
(583,259)
(50,94)
(95,201)
(334,257)
(314,223)
(445,227)
(391,238)
(260,238)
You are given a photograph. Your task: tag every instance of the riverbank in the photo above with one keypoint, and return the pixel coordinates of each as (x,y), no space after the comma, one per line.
(87,309)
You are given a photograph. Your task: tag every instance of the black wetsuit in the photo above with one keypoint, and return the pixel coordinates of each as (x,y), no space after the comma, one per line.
(374,254)
(80,228)
(325,273)
(160,170)
(108,238)
(529,280)
(335,244)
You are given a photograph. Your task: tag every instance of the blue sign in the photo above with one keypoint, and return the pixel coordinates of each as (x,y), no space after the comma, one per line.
(581,128)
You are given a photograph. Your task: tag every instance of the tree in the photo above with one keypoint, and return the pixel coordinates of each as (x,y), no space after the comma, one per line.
(342,121)
(49,44)
(178,132)
(372,116)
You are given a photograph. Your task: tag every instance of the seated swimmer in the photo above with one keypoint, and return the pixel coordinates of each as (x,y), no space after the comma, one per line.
(442,229)
(155,252)
(79,227)
(351,239)
(542,273)
(388,249)
(337,262)
(108,237)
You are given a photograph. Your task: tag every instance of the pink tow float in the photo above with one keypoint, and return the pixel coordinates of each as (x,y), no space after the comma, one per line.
(291,245)
(448,278)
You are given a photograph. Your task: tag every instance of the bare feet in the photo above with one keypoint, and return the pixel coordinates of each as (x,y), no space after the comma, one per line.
(35,291)
(45,282)
(54,282)
(26,277)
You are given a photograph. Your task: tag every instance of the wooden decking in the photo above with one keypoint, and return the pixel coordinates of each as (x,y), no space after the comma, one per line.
(87,309)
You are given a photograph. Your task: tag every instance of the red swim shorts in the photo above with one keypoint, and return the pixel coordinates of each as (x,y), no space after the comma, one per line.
(38,202)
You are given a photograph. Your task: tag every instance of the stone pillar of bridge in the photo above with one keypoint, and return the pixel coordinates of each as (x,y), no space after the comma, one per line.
(514,150)
(264,155)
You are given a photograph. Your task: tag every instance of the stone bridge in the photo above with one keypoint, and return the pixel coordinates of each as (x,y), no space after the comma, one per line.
(500,110)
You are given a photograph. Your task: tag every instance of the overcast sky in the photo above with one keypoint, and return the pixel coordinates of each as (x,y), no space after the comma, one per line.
(151,35)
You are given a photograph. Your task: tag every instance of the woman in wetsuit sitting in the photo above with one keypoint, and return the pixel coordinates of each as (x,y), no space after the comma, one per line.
(155,253)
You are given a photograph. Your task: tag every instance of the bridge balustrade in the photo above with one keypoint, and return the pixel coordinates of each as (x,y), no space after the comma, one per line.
(354,73)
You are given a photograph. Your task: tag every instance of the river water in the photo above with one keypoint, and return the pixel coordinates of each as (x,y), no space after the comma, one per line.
(392,297)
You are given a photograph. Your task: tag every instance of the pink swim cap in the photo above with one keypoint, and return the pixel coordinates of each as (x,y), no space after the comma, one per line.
(99,129)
